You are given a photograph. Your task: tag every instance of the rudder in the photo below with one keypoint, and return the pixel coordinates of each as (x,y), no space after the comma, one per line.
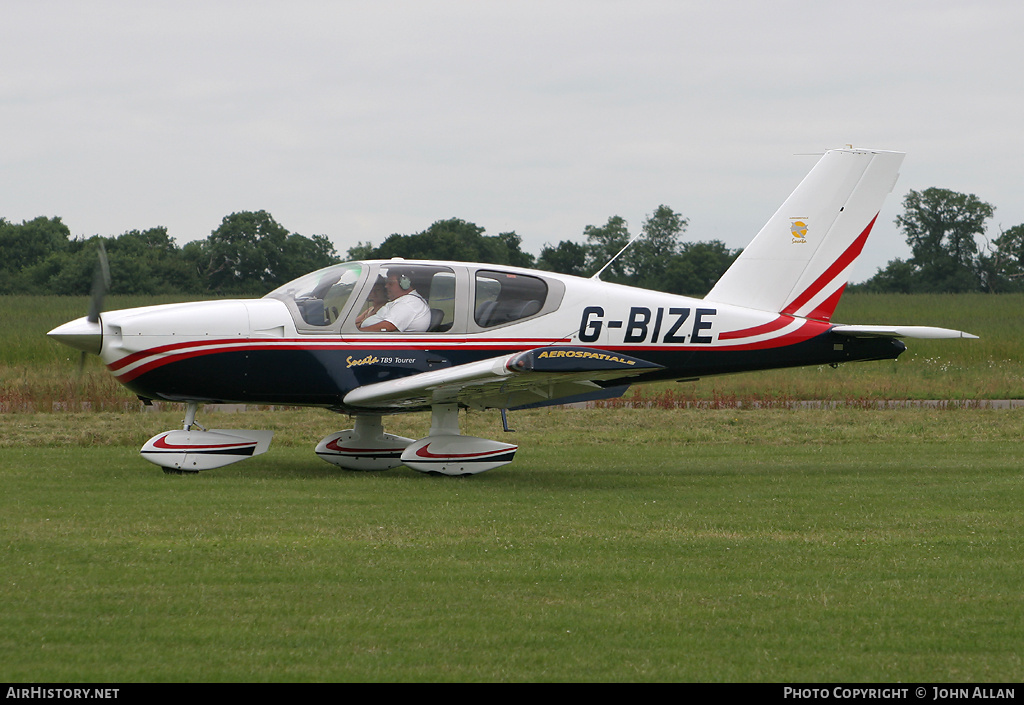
(800,261)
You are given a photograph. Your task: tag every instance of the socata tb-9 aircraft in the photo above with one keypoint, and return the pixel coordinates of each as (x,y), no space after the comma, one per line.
(374,338)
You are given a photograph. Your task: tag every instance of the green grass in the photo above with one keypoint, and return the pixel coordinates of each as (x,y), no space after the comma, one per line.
(847,545)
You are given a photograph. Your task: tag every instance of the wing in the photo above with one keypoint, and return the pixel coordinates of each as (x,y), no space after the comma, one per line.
(900,332)
(538,376)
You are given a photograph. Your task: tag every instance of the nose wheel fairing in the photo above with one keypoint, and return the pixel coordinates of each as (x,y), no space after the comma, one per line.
(194,448)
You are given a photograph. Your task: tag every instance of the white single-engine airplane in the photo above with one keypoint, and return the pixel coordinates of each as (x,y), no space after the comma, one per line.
(442,336)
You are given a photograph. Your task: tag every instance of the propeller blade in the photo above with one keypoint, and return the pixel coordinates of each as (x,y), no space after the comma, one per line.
(100,285)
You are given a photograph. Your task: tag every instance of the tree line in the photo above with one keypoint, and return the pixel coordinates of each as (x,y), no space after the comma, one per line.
(951,249)
(657,259)
(250,254)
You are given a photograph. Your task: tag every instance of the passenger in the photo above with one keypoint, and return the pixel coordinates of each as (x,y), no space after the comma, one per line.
(378,298)
(405,311)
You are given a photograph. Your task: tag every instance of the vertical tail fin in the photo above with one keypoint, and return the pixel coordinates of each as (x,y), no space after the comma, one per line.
(800,261)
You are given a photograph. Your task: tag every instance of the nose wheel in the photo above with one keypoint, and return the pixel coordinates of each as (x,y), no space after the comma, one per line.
(193,448)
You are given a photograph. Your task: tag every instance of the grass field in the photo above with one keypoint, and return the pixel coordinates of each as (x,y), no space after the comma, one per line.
(728,544)
(847,545)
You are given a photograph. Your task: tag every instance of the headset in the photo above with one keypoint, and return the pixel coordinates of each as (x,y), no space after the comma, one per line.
(404,282)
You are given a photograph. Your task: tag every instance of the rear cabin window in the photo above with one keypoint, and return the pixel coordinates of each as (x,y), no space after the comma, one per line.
(504,298)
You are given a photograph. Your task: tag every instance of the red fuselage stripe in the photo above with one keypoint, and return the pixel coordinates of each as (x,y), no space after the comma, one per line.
(340,344)
(780,322)
(165,355)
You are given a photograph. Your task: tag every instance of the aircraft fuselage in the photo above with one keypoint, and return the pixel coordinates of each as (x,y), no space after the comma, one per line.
(252,351)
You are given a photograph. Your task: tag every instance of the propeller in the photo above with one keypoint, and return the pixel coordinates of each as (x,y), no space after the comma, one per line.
(86,333)
(100,285)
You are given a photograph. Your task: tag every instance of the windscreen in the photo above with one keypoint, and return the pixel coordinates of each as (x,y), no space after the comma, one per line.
(320,297)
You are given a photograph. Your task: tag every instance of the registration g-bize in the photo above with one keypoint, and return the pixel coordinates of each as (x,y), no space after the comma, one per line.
(374,338)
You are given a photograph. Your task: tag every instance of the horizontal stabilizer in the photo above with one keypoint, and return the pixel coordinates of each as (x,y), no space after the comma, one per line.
(926,332)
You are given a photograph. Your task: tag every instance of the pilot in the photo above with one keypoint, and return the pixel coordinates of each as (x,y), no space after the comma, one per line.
(405,311)
(377,299)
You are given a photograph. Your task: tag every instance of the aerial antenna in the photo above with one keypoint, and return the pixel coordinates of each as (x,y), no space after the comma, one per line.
(606,265)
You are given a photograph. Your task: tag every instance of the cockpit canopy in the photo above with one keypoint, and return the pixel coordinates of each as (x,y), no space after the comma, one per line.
(460,297)
(321,296)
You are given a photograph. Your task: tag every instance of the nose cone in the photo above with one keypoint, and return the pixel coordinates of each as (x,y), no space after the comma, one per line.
(81,334)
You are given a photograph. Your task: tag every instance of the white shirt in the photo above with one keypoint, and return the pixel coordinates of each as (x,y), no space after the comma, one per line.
(406,313)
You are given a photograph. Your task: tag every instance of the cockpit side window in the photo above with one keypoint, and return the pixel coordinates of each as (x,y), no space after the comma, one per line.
(320,297)
(503,298)
(412,298)
(442,301)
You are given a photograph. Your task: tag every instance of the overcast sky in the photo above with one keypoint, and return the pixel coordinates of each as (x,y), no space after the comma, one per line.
(357,120)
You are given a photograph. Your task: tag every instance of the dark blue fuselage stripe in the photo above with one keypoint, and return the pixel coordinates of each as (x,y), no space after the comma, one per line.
(317,377)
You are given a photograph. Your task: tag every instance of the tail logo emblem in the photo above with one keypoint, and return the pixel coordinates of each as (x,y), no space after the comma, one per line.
(798,229)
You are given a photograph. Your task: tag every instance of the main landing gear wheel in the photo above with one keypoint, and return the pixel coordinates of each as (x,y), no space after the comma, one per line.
(365,447)
(444,452)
